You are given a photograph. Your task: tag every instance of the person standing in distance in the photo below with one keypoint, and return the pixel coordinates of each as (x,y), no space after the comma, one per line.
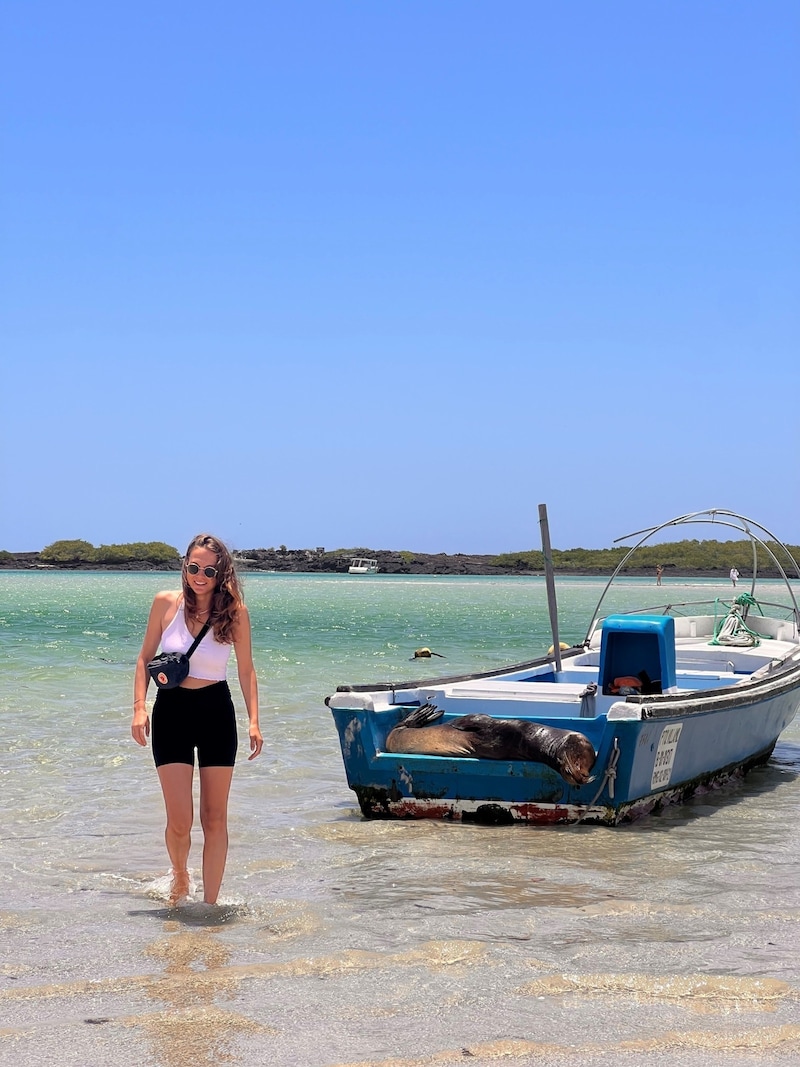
(198,713)
(734,576)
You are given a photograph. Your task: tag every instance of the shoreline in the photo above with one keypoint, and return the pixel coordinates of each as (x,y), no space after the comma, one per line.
(306,561)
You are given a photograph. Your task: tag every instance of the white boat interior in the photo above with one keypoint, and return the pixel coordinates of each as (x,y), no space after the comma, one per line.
(697,666)
(578,690)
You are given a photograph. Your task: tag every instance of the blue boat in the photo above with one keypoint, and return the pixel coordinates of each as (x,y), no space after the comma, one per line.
(672,699)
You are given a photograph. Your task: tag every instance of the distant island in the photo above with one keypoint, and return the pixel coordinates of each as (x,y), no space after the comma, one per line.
(684,558)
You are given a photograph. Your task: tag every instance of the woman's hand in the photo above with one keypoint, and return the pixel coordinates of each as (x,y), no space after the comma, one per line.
(256,742)
(140,727)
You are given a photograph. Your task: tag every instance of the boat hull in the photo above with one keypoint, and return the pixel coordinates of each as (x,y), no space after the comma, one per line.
(643,764)
(388,803)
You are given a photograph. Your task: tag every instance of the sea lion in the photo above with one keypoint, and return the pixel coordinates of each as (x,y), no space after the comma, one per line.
(425,653)
(484,737)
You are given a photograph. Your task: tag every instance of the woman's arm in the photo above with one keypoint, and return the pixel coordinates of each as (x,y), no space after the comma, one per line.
(140,726)
(243,645)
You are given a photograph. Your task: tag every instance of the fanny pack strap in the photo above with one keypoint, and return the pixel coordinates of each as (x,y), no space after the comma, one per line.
(198,639)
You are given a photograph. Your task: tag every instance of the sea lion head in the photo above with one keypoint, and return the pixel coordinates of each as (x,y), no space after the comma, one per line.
(576,758)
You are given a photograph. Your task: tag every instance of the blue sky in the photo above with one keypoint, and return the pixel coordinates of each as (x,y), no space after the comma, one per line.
(390,274)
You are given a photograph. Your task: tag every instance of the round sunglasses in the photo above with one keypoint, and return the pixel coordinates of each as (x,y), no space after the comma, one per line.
(195,568)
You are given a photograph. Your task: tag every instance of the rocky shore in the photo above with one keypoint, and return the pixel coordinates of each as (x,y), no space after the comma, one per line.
(318,560)
(290,560)
(308,560)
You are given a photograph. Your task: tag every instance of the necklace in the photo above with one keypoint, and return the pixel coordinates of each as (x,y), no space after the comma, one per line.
(199,613)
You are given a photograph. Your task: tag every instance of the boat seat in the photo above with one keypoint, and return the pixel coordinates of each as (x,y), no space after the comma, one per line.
(690,675)
(689,681)
(558,692)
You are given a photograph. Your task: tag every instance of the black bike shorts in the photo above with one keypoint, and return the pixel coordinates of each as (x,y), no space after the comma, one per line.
(189,719)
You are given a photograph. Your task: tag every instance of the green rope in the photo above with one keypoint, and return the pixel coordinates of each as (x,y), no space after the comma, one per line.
(745,600)
(734,623)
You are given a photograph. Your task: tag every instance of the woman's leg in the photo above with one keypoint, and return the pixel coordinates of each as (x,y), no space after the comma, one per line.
(176,785)
(215,785)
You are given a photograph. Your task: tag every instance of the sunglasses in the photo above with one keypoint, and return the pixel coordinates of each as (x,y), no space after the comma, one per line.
(195,568)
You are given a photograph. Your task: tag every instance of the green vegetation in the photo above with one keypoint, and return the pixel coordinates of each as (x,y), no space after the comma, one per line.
(69,552)
(681,555)
(77,552)
(138,552)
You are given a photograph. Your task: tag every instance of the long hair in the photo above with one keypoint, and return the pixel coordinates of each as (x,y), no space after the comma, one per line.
(227,598)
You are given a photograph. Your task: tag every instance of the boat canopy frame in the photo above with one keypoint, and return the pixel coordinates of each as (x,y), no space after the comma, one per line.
(711,516)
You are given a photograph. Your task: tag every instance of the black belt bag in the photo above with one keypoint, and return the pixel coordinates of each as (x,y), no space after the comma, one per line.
(170,668)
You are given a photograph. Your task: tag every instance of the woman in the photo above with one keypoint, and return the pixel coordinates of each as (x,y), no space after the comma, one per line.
(198,714)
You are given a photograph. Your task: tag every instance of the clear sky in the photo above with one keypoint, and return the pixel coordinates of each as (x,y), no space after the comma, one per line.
(391,273)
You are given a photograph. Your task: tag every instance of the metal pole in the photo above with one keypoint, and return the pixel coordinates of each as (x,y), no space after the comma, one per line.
(551,584)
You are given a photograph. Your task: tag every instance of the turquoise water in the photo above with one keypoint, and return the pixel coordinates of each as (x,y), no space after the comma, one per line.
(340,941)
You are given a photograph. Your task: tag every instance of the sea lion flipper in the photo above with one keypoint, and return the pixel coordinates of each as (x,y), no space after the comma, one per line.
(421,716)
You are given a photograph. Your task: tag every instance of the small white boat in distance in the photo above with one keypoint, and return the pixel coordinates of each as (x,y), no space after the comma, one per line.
(360,565)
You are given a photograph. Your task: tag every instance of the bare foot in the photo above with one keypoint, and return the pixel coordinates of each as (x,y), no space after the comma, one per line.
(179,887)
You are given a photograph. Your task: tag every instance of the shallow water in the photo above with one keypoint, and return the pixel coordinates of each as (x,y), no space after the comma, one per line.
(341,941)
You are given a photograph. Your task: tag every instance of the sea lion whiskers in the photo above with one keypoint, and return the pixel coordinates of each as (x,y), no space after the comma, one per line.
(572,769)
(574,775)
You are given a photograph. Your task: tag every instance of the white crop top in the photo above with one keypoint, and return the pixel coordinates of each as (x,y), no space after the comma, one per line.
(209,660)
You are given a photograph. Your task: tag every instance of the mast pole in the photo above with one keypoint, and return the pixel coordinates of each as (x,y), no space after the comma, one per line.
(551,584)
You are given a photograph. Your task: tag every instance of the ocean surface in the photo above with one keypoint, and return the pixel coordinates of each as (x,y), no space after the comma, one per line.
(672,941)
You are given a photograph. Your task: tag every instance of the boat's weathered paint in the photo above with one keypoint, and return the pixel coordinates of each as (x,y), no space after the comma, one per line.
(389,804)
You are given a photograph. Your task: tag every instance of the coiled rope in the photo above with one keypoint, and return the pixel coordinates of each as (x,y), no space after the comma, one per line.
(733,630)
